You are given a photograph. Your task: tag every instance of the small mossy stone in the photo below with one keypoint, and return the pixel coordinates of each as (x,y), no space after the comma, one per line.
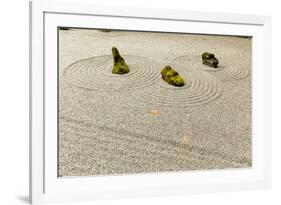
(177,80)
(209,59)
(119,65)
(171,73)
(172,77)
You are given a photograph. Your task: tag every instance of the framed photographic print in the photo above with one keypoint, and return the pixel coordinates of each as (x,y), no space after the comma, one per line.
(129,102)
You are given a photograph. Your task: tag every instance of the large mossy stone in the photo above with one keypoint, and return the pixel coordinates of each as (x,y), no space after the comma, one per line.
(209,59)
(119,65)
(172,77)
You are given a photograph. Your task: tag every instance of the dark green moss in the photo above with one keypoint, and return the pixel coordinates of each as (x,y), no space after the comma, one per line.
(105,30)
(172,77)
(64,28)
(119,65)
(209,59)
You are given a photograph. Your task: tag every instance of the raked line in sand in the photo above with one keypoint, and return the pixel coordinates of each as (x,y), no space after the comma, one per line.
(200,88)
(229,68)
(95,73)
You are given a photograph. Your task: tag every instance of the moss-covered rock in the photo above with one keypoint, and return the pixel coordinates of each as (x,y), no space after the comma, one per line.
(119,65)
(209,59)
(172,77)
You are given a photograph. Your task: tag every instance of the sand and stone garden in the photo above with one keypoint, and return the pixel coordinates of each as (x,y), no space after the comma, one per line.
(152,105)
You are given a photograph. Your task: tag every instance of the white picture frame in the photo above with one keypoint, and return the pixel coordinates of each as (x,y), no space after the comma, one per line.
(46,187)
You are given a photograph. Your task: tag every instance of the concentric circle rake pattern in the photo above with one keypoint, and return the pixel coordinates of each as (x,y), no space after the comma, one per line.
(229,68)
(233,69)
(189,62)
(200,88)
(95,73)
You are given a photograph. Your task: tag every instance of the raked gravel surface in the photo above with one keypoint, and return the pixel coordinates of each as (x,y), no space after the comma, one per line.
(136,123)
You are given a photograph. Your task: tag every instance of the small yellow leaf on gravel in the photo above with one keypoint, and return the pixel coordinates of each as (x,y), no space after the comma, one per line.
(185,139)
(154,112)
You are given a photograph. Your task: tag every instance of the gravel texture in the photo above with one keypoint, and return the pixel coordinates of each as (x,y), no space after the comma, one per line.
(135,123)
